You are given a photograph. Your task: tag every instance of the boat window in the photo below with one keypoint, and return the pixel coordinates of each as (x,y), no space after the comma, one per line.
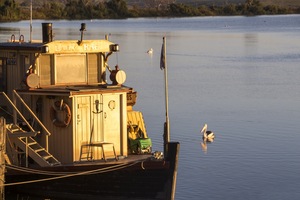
(70,69)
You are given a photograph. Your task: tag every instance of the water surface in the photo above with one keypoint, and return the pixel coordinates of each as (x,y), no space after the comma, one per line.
(240,75)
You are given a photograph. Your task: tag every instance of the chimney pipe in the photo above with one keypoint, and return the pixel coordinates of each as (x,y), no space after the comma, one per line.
(47,32)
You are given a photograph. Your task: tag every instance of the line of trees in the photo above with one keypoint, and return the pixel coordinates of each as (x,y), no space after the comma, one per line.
(87,9)
(249,8)
(9,10)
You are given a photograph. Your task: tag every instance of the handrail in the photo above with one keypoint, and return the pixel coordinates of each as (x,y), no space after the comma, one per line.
(17,110)
(35,117)
(24,119)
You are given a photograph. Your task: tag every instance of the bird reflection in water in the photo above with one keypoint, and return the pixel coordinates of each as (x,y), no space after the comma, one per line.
(207,137)
(204,143)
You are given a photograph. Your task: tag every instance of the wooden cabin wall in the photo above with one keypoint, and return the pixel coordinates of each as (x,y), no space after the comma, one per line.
(15,65)
(49,66)
(61,137)
(44,69)
(108,123)
(92,68)
(12,74)
(38,107)
(96,68)
(115,121)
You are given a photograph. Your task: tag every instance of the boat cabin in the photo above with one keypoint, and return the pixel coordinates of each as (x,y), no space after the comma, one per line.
(60,92)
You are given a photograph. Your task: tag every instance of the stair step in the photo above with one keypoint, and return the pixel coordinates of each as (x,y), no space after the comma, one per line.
(31,143)
(36,151)
(14,130)
(47,157)
(29,139)
(39,150)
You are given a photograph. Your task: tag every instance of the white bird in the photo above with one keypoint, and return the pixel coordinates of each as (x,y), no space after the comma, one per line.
(150,51)
(207,135)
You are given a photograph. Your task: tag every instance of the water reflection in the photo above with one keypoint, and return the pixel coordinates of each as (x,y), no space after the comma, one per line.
(243,79)
(204,143)
(251,39)
(207,137)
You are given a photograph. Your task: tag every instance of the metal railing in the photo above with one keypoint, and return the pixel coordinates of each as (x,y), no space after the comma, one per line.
(16,95)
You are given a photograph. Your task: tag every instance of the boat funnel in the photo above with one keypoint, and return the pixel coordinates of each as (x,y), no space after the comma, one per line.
(47,32)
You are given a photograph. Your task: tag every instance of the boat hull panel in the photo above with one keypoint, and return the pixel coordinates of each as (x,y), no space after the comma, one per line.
(146,179)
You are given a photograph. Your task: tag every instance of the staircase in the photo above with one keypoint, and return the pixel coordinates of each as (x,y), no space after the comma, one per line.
(26,142)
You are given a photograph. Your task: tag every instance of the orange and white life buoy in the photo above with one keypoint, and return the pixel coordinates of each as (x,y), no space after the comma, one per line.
(60,106)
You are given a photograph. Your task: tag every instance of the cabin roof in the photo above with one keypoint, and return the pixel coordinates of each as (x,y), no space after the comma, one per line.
(72,46)
(60,46)
(75,90)
(21,46)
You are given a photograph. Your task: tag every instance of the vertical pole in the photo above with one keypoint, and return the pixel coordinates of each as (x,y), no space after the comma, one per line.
(2,152)
(30,21)
(167,123)
(166,93)
(172,157)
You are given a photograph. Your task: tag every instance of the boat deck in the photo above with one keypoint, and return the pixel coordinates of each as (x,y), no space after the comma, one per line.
(112,160)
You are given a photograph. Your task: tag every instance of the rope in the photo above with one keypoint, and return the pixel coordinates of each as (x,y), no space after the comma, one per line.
(67,175)
(33,171)
(142,165)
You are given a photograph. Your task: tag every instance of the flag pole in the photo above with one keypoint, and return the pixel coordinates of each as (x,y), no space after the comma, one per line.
(163,65)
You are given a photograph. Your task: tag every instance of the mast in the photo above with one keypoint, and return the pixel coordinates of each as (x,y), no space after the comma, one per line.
(163,65)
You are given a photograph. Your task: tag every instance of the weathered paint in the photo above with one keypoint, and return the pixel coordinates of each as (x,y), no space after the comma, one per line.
(74,46)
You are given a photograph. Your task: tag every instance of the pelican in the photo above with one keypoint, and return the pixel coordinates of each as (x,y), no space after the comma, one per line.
(207,135)
(150,51)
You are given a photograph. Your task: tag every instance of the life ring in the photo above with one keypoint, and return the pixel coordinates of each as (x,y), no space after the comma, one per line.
(60,106)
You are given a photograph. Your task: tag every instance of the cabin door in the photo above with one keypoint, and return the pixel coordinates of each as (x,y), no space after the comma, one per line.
(99,118)
(89,123)
(112,120)
(83,123)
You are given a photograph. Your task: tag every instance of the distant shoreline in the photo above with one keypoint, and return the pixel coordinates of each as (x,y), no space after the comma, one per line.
(118,9)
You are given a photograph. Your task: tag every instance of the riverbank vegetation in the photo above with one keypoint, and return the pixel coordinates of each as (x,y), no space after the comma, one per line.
(10,10)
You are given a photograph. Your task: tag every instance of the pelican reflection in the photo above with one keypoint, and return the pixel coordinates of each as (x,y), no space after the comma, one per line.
(204,143)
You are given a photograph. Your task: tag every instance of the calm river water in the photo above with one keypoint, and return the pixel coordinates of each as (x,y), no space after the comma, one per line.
(240,75)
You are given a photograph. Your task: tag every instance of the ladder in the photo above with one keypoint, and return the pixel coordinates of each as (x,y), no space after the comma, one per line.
(26,142)
(24,139)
